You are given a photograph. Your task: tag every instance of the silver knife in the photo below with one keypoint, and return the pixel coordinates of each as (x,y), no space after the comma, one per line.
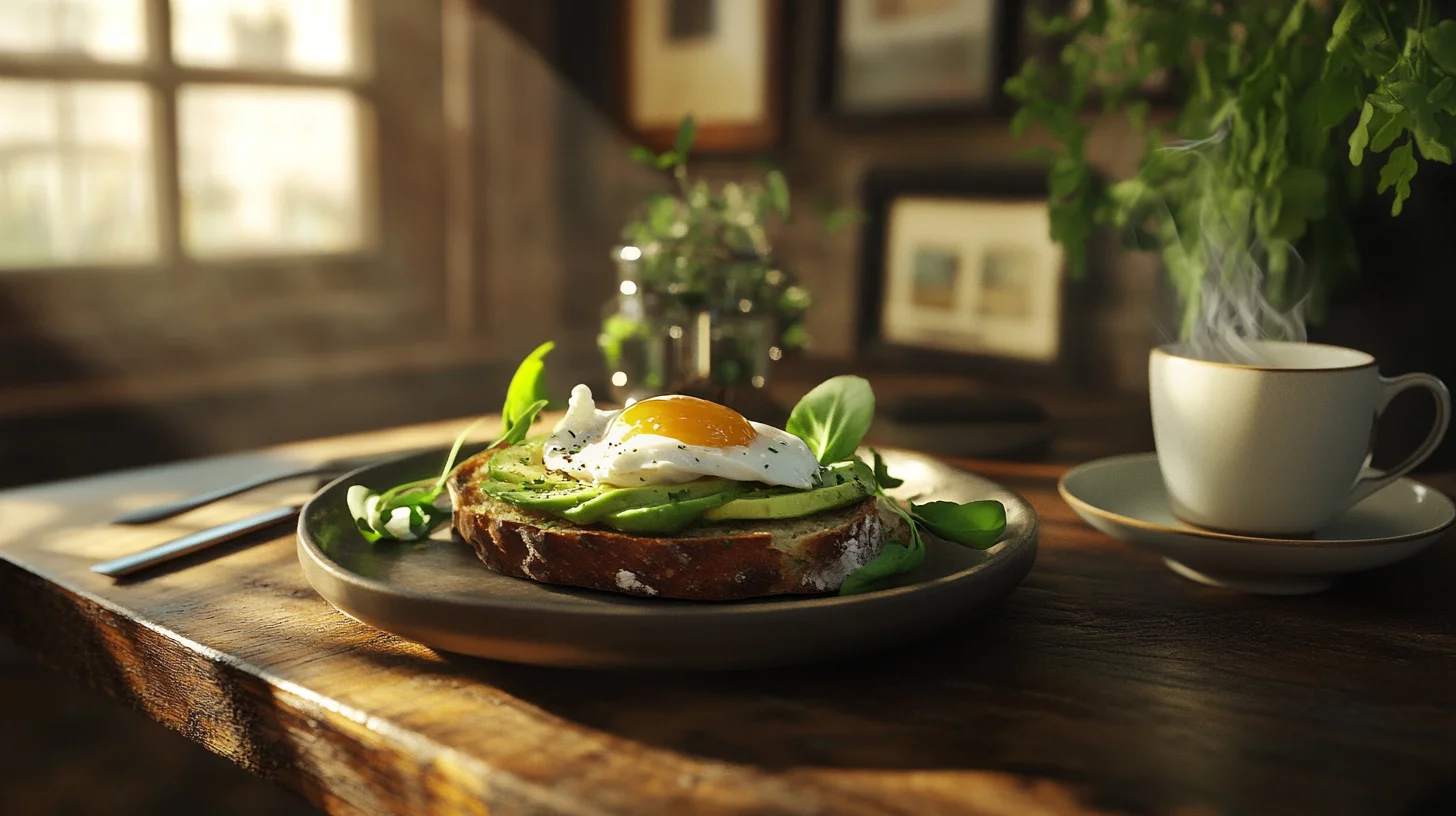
(166,510)
(201,540)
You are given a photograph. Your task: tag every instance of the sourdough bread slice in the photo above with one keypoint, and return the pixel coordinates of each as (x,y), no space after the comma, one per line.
(726,561)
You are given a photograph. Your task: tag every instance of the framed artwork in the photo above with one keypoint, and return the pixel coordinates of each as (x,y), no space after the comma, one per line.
(960,264)
(719,60)
(890,59)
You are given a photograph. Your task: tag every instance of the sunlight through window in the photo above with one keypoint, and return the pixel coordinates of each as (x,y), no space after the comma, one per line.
(268,170)
(105,30)
(267,146)
(301,36)
(75,173)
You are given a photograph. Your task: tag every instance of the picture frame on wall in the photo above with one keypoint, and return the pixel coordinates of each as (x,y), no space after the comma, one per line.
(958,268)
(719,60)
(913,59)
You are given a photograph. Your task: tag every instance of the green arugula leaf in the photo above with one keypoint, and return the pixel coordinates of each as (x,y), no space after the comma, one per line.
(1292,23)
(835,219)
(1361,137)
(687,131)
(1431,147)
(1383,100)
(669,159)
(894,559)
(517,433)
(528,386)
(1389,129)
(360,507)
(882,473)
(642,155)
(1020,121)
(975,524)
(1442,93)
(834,417)
(1440,43)
(1340,31)
(777,190)
(662,215)
(404,522)
(1397,173)
(1066,176)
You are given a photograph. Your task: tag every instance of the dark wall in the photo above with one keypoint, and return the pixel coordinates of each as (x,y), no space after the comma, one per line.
(1401,306)
(824,157)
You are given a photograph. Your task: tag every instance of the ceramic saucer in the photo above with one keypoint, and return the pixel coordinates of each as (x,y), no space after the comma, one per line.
(1124,497)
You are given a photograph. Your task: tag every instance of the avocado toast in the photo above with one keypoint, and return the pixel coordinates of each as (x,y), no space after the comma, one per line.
(678,497)
(752,541)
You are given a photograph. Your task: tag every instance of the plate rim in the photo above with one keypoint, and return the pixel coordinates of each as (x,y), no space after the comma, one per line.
(654,608)
(1082,505)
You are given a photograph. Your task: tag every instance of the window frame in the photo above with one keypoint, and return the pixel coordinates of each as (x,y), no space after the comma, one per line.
(162,77)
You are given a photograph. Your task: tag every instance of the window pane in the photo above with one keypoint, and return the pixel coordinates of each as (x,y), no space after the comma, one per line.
(75,173)
(307,36)
(267,170)
(110,30)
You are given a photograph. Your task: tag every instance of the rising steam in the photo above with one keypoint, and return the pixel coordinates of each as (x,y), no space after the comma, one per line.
(1223,275)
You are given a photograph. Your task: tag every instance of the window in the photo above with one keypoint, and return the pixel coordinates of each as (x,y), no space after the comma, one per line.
(141,132)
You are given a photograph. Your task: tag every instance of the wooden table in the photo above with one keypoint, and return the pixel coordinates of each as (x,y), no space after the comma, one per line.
(1103,684)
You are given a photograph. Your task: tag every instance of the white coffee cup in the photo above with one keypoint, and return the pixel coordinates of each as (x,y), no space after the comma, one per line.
(1278,448)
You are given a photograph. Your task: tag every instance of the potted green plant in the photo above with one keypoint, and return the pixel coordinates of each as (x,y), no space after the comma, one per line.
(703,306)
(1284,105)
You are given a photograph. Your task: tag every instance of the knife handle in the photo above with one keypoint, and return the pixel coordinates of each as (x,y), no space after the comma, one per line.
(200,540)
(158,512)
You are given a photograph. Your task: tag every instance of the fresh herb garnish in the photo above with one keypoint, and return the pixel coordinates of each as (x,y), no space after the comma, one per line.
(832,420)
(977,524)
(408,512)
(525,397)
(834,417)
(882,473)
(1282,98)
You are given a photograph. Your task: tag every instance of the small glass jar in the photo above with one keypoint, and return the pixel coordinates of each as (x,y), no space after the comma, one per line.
(652,344)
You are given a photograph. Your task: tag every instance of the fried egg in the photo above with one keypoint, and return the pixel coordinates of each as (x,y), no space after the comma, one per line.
(670,440)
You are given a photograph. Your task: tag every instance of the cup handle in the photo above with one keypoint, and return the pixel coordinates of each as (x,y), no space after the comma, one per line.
(1370,483)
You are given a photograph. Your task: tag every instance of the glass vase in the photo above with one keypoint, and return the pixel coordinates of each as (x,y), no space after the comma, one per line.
(653,344)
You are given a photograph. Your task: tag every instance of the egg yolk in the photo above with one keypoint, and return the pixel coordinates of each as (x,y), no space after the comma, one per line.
(689,420)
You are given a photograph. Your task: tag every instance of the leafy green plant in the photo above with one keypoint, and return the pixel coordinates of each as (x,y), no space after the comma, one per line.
(833,419)
(1283,100)
(707,247)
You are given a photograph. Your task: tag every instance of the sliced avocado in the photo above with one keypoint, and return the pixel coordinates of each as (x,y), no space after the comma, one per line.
(840,472)
(663,519)
(844,483)
(519,464)
(628,498)
(552,500)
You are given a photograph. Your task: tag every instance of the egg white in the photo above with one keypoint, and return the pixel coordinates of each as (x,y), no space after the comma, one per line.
(586,445)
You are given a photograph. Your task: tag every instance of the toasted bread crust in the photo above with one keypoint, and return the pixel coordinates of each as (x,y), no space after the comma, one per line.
(724,562)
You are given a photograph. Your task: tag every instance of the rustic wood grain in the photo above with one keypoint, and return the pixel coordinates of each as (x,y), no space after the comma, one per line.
(1104,684)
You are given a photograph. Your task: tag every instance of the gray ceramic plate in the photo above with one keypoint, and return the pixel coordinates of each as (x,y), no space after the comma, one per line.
(439,594)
